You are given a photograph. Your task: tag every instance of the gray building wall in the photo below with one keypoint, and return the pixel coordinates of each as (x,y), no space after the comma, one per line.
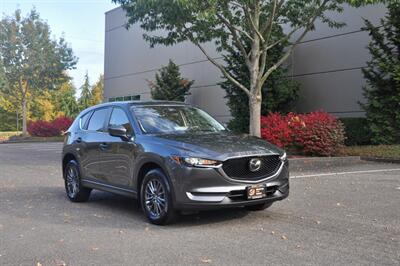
(327,64)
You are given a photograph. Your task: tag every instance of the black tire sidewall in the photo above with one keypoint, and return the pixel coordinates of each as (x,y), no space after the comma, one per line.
(83,193)
(169,212)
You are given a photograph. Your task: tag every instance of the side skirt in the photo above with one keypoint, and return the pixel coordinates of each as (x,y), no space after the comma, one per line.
(109,188)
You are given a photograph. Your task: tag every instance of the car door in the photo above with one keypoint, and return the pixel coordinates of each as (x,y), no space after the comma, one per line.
(117,164)
(93,142)
(80,137)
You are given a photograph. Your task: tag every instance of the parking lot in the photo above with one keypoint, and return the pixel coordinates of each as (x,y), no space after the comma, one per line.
(335,215)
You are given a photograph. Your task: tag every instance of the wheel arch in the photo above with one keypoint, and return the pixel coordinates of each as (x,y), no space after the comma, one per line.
(147,165)
(67,158)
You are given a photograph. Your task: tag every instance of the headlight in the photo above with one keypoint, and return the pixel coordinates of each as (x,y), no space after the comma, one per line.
(283,156)
(197,162)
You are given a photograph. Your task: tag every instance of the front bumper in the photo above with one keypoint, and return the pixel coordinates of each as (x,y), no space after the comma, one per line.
(208,188)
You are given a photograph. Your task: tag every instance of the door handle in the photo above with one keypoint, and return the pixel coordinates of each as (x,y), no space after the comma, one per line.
(103,146)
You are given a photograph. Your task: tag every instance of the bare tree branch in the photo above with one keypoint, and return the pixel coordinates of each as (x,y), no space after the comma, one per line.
(223,70)
(267,29)
(287,37)
(236,38)
(244,32)
(251,22)
(290,50)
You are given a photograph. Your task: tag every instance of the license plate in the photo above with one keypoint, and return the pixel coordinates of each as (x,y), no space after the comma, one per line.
(256,192)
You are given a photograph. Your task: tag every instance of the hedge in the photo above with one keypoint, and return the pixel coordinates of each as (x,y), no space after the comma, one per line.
(357,131)
(316,133)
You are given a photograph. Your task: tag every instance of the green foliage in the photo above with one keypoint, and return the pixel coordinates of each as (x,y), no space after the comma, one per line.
(43,105)
(198,21)
(279,93)
(383,78)
(66,102)
(357,131)
(169,85)
(85,100)
(227,23)
(7,120)
(97,91)
(32,60)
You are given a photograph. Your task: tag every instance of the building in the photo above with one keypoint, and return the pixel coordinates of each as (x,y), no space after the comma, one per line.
(327,63)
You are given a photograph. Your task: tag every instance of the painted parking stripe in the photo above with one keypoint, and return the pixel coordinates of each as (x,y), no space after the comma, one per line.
(347,173)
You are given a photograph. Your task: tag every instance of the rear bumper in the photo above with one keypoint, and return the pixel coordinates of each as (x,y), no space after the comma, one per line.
(207,188)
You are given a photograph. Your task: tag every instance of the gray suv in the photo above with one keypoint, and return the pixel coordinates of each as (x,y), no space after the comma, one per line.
(171,157)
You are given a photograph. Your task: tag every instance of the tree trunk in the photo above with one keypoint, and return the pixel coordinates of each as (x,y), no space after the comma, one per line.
(255,116)
(24,117)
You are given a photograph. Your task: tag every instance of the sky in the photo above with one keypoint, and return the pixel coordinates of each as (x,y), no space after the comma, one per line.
(81,22)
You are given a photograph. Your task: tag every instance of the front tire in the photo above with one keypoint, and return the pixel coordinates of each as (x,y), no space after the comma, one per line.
(259,207)
(156,198)
(73,187)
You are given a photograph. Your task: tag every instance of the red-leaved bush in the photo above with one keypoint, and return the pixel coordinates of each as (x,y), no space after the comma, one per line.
(42,128)
(62,123)
(316,133)
(275,128)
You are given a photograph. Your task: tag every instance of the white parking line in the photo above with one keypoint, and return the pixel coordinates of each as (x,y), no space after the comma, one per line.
(347,173)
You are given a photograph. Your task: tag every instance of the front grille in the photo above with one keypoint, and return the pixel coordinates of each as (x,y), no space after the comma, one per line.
(239,168)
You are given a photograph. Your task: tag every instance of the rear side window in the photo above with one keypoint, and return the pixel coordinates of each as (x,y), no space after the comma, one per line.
(83,120)
(96,122)
(119,118)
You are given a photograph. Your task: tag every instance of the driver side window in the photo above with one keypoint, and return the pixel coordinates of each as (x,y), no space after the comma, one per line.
(119,118)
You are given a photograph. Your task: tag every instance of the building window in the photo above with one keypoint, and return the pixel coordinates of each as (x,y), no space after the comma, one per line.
(125,98)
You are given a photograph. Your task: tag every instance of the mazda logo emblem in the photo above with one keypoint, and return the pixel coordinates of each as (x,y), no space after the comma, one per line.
(255,164)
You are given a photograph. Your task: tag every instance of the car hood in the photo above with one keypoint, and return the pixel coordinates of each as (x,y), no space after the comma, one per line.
(218,146)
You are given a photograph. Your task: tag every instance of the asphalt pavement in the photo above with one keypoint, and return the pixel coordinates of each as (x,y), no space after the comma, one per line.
(335,215)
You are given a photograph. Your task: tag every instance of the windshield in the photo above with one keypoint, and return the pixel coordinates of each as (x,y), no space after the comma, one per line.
(174,119)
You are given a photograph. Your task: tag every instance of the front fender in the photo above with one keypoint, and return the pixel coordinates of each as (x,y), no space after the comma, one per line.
(165,163)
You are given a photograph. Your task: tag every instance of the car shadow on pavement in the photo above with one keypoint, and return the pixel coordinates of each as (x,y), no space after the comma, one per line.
(129,208)
(50,205)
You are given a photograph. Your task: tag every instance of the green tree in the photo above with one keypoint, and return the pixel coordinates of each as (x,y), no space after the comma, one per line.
(7,118)
(85,100)
(32,60)
(43,105)
(228,23)
(383,78)
(169,84)
(66,102)
(279,92)
(97,91)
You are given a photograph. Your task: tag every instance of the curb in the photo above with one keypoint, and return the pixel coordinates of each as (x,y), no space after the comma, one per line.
(313,163)
(29,141)
(380,159)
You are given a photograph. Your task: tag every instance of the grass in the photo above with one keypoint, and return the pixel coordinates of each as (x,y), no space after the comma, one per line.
(378,151)
(15,136)
(5,135)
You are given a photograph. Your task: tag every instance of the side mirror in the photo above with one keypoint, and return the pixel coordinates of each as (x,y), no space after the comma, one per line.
(118,131)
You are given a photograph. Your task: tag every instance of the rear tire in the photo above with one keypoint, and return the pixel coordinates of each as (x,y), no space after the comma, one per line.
(259,207)
(72,180)
(156,198)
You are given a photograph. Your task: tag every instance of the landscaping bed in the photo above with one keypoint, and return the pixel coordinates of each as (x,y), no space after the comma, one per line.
(18,138)
(5,135)
(389,153)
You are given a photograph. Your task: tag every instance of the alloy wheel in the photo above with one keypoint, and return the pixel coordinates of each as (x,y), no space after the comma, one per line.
(155,198)
(72,181)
